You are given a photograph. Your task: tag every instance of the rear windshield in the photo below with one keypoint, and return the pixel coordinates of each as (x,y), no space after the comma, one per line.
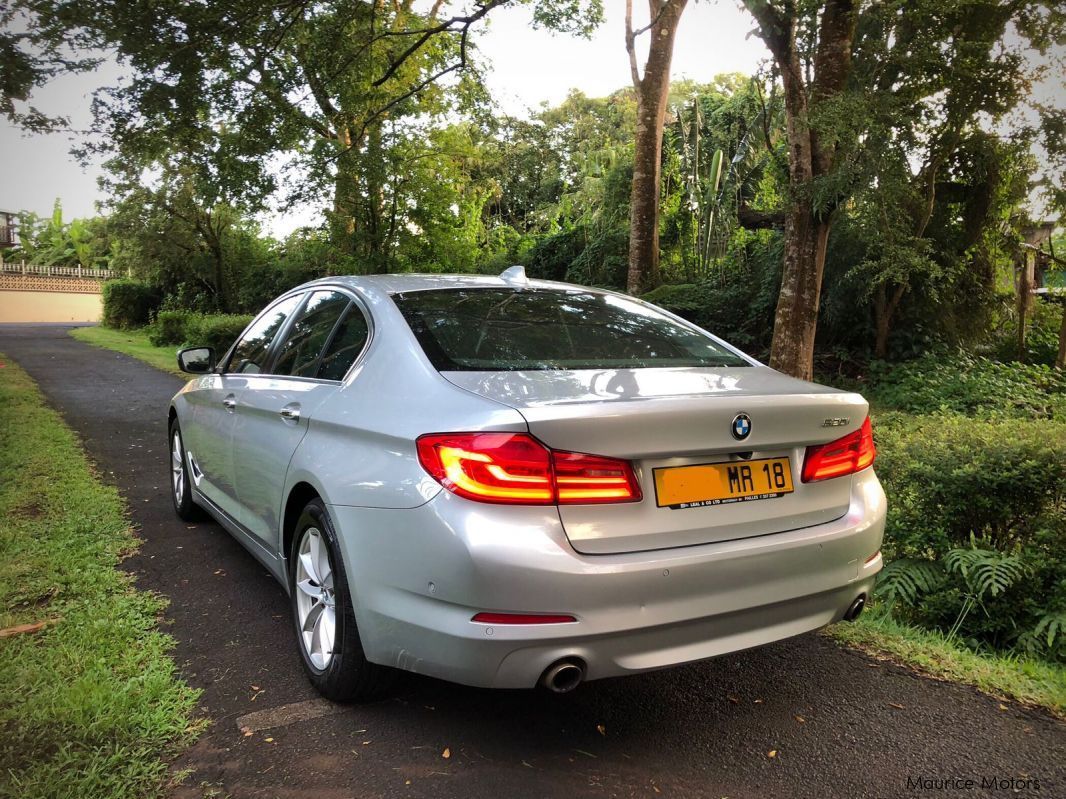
(504,329)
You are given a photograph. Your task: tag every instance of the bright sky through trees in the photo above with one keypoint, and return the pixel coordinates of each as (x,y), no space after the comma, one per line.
(529,67)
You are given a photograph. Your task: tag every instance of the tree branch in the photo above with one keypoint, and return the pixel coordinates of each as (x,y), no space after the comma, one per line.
(631,47)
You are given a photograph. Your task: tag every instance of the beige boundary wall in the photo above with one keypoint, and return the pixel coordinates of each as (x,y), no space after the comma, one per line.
(50,306)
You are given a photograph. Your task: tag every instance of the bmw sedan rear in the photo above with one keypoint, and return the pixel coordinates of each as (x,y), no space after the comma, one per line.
(504,482)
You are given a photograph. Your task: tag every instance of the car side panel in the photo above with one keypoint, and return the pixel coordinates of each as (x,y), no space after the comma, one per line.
(360,442)
(207,428)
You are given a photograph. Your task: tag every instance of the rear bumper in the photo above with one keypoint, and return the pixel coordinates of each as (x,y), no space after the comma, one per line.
(419,575)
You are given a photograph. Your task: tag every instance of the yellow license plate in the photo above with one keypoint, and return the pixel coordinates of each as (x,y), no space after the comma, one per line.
(722,483)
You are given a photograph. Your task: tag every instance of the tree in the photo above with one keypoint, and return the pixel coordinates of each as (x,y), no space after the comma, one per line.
(652,89)
(321,89)
(814,89)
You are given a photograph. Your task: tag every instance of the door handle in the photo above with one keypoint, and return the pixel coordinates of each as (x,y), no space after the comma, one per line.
(230,402)
(290,413)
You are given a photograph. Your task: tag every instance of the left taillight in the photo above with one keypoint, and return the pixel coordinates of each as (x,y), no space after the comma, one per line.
(515,468)
(852,453)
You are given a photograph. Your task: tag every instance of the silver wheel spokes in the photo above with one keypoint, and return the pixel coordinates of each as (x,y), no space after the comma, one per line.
(315,599)
(177,466)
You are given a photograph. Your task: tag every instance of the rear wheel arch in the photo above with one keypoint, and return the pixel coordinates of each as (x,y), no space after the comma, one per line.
(299,495)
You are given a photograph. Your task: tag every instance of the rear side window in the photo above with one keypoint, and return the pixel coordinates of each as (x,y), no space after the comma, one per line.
(308,334)
(250,353)
(347,342)
(504,329)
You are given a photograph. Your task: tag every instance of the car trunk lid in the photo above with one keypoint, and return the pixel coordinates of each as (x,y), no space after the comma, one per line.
(661,419)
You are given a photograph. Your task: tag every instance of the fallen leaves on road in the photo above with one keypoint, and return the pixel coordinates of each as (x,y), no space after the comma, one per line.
(733,699)
(800,719)
(772,753)
(896,705)
(446,753)
(601,730)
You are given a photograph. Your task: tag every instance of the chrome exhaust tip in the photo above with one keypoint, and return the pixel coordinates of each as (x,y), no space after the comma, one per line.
(856,608)
(563,676)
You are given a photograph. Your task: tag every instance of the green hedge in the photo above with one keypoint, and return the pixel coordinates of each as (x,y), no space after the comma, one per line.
(214,330)
(169,327)
(971,385)
(976,533)
(128,303)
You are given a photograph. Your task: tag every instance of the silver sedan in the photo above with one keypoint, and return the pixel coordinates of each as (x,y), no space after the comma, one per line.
(508,482)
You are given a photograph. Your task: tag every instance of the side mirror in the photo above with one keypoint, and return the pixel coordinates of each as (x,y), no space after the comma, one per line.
(196,360)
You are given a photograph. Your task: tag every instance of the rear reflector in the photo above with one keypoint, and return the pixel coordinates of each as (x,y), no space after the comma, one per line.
(515,468)
(522,618)
(852,453)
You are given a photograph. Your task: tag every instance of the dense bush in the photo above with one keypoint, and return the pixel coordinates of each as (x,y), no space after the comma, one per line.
(214,330)
(739,309)
(976,532)
(128,303)
(169,327)
(971,385)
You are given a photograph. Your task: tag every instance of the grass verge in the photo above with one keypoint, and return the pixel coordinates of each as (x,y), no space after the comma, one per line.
(131,342)
(1030,682)
(90,704)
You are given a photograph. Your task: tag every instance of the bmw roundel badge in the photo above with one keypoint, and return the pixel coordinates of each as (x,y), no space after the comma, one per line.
(741,428)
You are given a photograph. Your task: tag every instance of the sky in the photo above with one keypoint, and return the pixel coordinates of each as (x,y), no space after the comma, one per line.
(528,67)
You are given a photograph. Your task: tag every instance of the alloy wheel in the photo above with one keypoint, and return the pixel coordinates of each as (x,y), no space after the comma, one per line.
(315,600)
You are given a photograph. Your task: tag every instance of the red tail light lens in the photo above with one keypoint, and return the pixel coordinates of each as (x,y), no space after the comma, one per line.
(515,468)
(582,479)
(847,455)
(491,467)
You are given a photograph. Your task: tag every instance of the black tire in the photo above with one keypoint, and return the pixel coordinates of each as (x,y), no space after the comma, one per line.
(184,506)
(347,676)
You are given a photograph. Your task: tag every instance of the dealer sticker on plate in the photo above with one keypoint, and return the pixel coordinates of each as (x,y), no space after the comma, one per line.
(722,483)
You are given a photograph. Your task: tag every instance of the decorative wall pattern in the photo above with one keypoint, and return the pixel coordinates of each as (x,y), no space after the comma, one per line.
(17,282)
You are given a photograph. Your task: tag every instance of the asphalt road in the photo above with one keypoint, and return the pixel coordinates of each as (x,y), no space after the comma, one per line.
(803,718)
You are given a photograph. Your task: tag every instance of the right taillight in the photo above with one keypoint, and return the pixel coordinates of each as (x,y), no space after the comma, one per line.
(852,453)
(515,468)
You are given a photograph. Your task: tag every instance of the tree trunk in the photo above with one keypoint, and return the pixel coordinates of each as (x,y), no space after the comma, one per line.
(884,310)
(377,260)
(1060,359)
(1025,297)
(810,156)
(652,90)
(796,320)
(345,193)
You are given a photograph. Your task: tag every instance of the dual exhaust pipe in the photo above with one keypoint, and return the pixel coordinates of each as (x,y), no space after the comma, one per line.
(566,674)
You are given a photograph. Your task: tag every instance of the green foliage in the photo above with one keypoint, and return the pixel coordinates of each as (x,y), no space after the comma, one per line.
(969,384)
(976,530)
(218,331)
(128,303)
(906,579)
(92,705)
(169,327)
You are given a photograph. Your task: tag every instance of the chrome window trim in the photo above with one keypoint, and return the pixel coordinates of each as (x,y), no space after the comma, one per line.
(223,364)
(307,290)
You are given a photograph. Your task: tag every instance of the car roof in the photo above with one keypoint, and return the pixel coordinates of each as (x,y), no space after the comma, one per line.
(400,283)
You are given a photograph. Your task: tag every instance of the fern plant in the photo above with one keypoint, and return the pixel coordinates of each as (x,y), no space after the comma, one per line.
(907,579)
(984,572)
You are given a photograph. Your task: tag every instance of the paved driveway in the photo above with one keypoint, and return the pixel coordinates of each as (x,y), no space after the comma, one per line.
(838,723)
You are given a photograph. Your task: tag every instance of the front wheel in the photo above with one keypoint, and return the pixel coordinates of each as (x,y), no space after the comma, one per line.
(180,482)
(327,634)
